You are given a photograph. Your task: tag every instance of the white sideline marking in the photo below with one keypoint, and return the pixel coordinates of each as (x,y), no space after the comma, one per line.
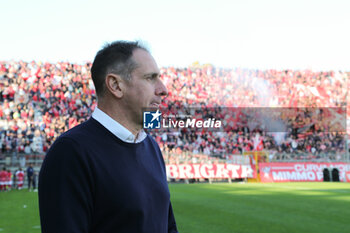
(333,190)
(36,227)
(287,187)
(308,189)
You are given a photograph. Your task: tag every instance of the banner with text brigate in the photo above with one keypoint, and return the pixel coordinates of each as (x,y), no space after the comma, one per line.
(299,172)
(206,171)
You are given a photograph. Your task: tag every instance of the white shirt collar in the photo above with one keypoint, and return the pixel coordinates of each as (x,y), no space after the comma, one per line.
(116,128)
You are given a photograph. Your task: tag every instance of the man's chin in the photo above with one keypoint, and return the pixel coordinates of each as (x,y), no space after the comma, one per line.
(154,106)
(151,108)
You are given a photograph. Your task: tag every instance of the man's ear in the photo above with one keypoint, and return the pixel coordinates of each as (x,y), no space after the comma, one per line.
(115,85)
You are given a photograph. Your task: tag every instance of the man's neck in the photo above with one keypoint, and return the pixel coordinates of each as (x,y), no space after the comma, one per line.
(119,116)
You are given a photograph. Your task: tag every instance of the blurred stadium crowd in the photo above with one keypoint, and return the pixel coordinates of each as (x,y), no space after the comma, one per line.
(39,101)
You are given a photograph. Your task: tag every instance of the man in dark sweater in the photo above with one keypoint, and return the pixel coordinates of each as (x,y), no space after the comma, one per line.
(107,175)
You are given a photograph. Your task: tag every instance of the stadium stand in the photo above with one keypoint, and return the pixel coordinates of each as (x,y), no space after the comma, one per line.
(40,100)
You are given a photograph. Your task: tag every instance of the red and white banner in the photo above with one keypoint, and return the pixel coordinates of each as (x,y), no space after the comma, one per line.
(206,171)
(347,176)
(285,172)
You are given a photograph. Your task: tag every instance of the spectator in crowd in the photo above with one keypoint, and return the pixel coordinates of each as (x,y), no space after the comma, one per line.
(108,166)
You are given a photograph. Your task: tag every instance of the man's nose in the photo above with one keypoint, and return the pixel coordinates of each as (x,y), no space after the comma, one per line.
(161,89)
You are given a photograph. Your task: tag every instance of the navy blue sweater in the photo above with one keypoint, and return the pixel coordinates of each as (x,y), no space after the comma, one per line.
(92,182)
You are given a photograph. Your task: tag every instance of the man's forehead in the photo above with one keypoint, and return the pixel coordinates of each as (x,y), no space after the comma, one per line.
(145,62)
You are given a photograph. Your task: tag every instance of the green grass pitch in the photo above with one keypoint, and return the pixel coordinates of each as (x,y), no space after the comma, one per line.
(262,208)
(19,212)
(221,208)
